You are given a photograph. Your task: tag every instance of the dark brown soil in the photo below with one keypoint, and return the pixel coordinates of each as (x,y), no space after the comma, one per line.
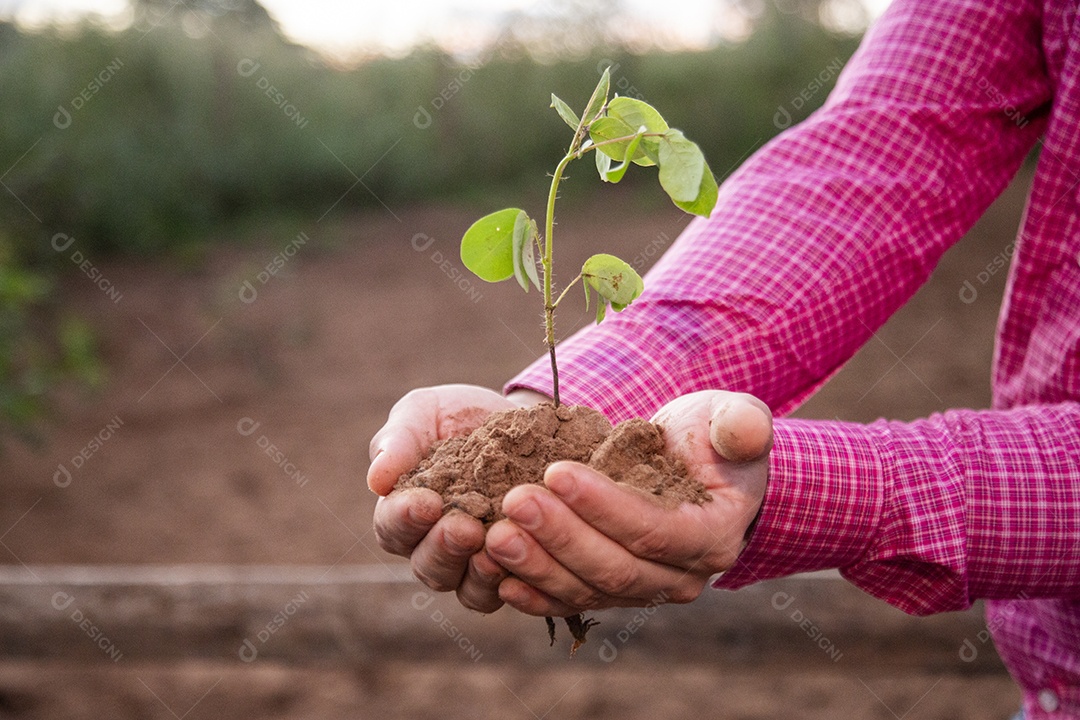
(514,447)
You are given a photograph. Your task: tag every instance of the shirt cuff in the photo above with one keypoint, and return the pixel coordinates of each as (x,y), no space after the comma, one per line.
(822,505)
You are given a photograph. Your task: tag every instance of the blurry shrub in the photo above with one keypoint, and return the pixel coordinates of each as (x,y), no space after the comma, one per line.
(39,345)
(169,137)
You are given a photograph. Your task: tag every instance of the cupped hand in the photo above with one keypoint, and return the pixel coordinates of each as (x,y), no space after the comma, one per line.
(583,542)
(411,522)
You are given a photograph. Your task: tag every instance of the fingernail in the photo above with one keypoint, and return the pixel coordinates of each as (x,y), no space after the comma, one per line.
(456,545)
(525,513)
(423,513)
(562,483)
(512,549)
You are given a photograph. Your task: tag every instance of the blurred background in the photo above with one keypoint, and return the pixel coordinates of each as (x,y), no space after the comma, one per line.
(229,243)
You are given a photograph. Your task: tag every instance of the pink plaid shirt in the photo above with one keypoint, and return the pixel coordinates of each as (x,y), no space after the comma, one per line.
(814,243)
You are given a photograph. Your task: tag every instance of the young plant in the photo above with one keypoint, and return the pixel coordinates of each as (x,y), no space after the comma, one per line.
(623,130)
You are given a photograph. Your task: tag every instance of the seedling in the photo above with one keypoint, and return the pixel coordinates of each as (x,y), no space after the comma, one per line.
(504,244)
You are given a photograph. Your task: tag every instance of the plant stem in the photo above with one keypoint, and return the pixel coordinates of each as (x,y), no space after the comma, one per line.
(549,306)
(566,290)
(573,153)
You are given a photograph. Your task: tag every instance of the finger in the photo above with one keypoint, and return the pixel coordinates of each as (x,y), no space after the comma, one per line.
(479,590)
(740,428)
(591,558)
(642,526)
(417,420)
(524,598)
(441,558)
(395,449)
(402,519)
(523,558)
(409,432)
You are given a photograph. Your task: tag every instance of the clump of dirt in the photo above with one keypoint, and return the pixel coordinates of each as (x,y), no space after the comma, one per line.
(514,447)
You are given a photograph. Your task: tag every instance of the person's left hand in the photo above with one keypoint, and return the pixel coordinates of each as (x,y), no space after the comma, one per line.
(583,542)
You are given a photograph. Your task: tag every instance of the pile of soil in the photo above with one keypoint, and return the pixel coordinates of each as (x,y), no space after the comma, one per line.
(514,447)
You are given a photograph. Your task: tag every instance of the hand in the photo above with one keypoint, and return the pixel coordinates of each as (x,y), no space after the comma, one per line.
(583,542)
(410,522)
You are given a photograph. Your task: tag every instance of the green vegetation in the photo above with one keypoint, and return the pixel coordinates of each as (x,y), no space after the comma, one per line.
(187,136)
(40,344)
(629,131)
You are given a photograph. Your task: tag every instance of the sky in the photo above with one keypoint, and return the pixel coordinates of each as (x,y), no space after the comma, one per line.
(344,27)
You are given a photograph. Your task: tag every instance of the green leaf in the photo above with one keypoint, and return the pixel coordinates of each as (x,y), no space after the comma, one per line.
(615,174)
(601,311)
(612,279)
(598,99)
(681,166)
(635,114)
(568,115)
(603,164)
(705,201)
(608,128)
(524,255)
(487,248)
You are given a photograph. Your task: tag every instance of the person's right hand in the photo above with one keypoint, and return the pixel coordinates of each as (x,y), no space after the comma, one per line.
(410,522)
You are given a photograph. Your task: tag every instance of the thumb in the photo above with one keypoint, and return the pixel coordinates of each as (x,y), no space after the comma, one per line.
(740,428)
(394,450)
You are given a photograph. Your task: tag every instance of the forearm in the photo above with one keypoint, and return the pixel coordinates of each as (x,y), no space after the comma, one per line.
(929,515)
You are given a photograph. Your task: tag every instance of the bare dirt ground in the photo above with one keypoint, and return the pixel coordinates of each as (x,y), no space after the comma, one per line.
(236,432)
(438,691)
